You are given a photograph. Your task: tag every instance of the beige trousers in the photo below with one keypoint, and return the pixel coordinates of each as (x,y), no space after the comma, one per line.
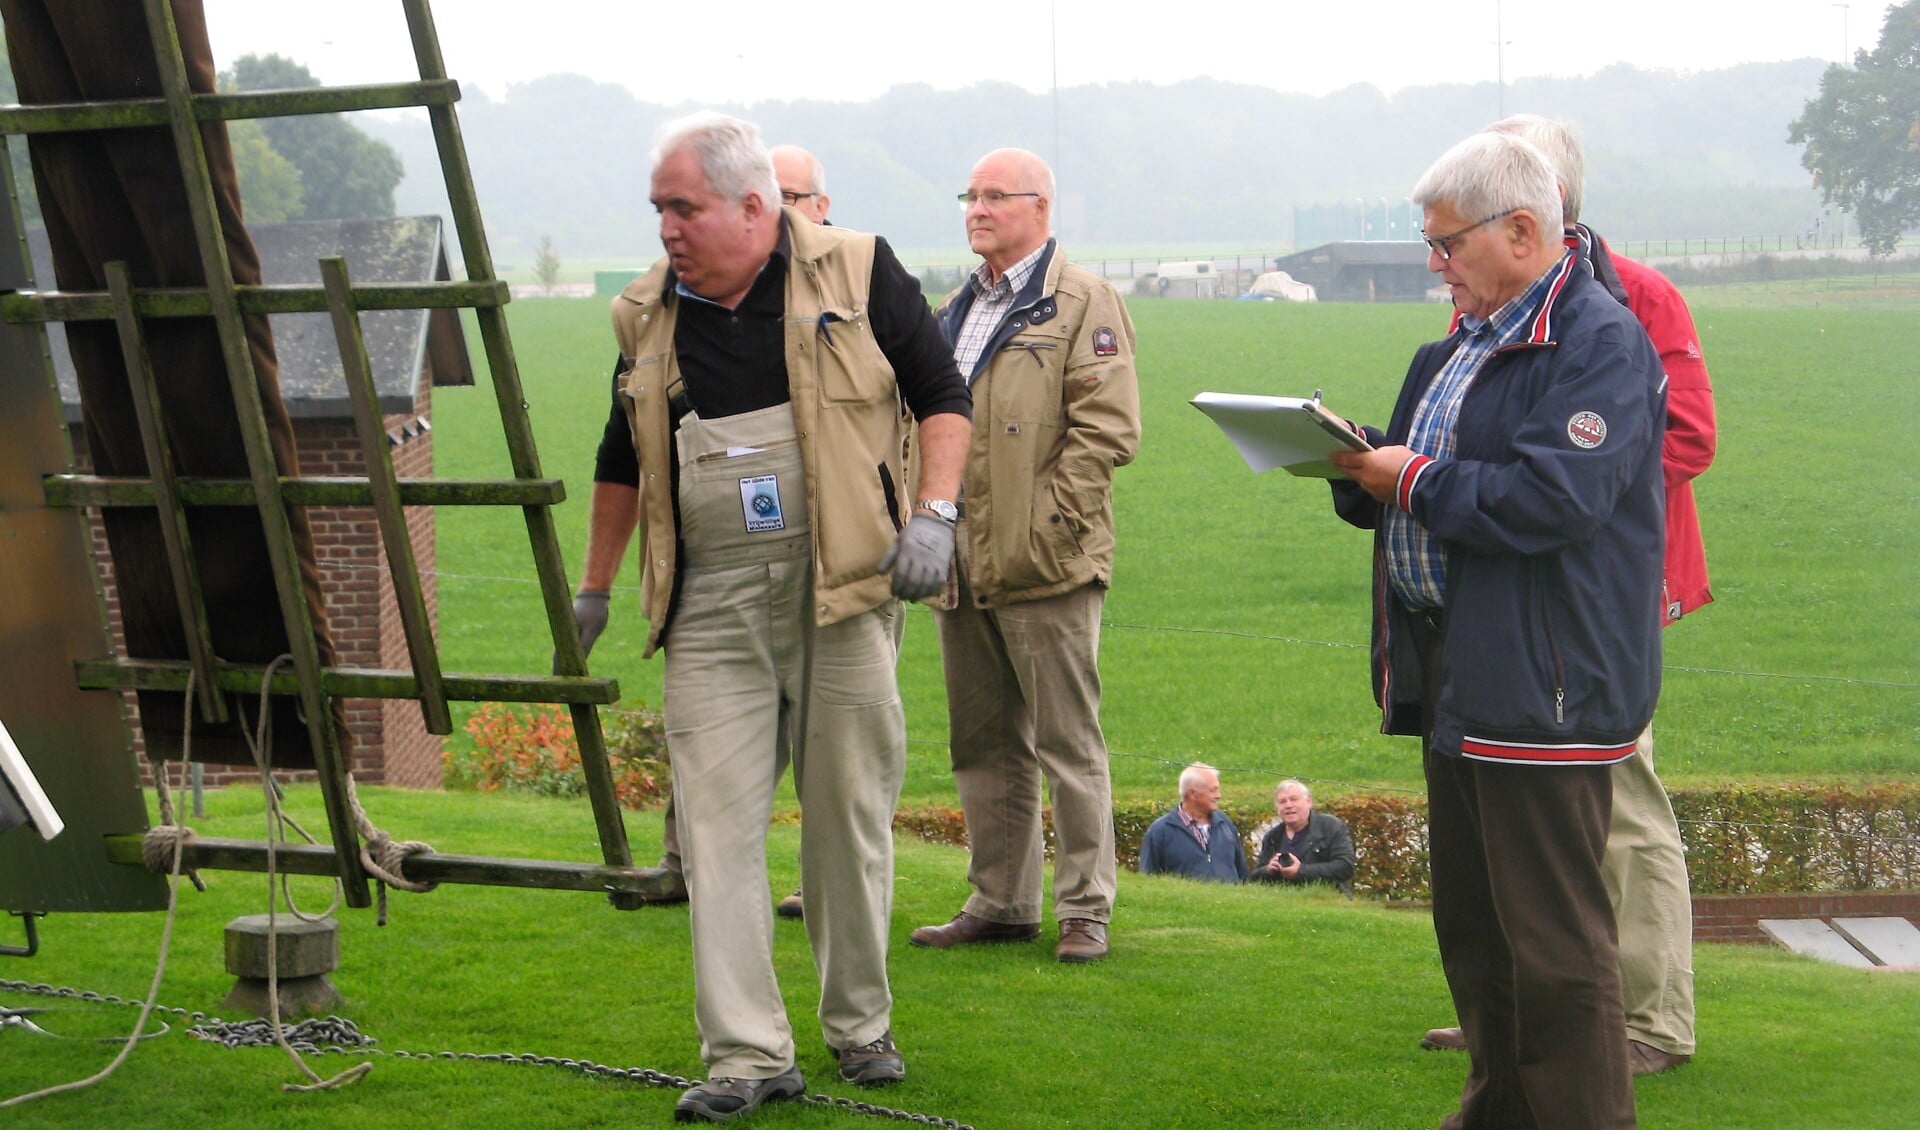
(747,673)
(1023,703)
(1645,870)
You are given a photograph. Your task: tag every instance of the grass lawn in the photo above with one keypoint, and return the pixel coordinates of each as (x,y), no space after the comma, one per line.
(1220,1007)
(1236,628)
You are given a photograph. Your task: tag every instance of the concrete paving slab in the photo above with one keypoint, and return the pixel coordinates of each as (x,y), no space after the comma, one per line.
(1891,941)
(1811,937)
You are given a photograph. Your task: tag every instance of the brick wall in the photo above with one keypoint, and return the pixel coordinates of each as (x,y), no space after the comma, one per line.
(1736,918)
(389,742)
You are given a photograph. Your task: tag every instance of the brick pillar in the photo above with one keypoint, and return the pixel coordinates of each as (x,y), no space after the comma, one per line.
(389,739)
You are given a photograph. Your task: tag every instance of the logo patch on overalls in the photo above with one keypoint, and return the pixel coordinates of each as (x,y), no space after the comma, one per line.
(760,503)
(1587,429)
(1105,344)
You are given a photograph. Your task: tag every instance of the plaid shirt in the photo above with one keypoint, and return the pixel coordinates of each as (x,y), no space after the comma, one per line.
(1416,563)
(991,302)
(1200,831)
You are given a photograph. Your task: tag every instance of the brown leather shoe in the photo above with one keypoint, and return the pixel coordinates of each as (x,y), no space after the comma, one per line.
(1444,1040)
(1645,1059)
(1081,940)
(966,930)
(791,906)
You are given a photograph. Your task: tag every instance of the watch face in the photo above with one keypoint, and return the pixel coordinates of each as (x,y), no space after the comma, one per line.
(941,507)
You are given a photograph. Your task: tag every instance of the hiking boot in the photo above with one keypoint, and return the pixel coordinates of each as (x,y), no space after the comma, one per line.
(874,1064)
(791,906)
(1444,1040)
(966,930)
(1081,940)
(721,1099)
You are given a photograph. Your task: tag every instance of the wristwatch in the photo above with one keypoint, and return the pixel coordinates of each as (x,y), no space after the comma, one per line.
(940,507)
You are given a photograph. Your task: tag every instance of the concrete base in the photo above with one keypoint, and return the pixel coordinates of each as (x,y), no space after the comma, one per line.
(303,954)
(300,997)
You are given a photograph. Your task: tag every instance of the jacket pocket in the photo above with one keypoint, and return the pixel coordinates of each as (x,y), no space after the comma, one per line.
(849,365)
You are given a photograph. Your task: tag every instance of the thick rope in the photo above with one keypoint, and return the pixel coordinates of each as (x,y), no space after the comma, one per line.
(261,746)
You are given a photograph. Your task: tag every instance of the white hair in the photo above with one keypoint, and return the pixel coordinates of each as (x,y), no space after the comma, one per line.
(1491,173)
(1290,783)
(731,156)
(1193,775)
(1561,144)
(816,172)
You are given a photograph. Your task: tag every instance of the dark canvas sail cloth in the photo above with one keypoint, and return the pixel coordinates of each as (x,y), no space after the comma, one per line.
(118,195)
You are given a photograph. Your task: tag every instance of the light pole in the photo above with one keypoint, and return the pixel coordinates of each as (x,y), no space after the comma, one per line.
(1844,44)
(1500,56)
(1363,217)
(1386,214)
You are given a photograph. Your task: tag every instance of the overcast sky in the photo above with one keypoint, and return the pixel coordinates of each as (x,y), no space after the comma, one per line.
(855,50)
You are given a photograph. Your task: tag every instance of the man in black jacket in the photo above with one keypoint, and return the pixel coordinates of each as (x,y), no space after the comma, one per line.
(1306,846)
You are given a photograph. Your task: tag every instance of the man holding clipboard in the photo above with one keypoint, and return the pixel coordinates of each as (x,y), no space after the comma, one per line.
(1516,499)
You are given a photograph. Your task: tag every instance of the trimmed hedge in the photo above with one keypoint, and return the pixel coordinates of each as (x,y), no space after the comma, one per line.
(1740,839)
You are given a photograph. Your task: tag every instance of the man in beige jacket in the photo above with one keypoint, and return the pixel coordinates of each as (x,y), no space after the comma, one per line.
(1047,349)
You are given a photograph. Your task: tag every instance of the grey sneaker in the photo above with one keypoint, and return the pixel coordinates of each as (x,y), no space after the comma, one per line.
(874,1064)
(722,1100)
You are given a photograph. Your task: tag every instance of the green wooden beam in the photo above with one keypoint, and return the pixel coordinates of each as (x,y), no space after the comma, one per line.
(348,682)
(209,854)
(93,490)
(78,117)
(169,302)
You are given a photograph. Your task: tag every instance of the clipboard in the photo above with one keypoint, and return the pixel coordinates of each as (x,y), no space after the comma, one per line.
(1288,432)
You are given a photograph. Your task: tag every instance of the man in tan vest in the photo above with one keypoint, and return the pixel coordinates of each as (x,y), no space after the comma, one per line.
(764,362)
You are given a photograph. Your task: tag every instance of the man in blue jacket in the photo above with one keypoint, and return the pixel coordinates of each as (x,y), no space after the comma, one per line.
(1196,839)
(1516,500)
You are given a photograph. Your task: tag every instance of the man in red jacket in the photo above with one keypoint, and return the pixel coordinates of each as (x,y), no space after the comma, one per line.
(1645,868)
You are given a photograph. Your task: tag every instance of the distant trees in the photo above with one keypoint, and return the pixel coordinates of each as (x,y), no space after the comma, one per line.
(343,173)
(270,186)
(1862,134)
(546,265)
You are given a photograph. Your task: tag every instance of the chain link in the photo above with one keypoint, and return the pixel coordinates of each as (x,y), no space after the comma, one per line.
(336,1035)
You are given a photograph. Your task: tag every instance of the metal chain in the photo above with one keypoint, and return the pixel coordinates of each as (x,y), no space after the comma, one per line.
(336,1035)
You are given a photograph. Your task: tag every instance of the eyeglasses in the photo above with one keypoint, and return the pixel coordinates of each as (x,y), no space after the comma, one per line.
(992,198)
(1442,245)
(795,197)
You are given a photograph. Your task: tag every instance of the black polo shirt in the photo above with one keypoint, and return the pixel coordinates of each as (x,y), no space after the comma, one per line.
(735,361)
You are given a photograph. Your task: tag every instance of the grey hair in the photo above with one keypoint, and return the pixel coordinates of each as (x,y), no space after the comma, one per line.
(1290,783)
(736,164)
(1491,173)
(1561,144)
(816,172)
(1191,776)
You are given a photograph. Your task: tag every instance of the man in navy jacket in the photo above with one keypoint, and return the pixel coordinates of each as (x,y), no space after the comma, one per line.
(1196,839)
(1516,499)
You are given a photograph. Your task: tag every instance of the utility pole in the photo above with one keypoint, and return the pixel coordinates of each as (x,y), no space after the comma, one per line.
(1845,46)
(1500,57)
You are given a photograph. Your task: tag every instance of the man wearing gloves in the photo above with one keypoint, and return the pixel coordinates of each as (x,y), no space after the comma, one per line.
(765,360)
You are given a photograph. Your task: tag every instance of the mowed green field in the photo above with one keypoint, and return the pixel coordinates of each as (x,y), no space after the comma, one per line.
(1237,624)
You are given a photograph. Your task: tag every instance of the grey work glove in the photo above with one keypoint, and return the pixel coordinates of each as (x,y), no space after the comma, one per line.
(919,557)
(590,616)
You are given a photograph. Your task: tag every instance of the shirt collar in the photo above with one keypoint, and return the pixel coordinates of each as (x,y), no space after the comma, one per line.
(1508,322)
(1012,282)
